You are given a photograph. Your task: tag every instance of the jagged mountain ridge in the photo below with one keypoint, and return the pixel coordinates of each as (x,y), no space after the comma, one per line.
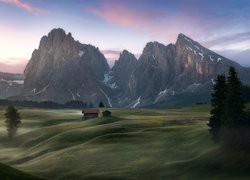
(63,69)
(164,71)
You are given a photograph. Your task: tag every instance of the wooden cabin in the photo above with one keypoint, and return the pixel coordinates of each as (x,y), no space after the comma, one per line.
(90,113)
(106,113)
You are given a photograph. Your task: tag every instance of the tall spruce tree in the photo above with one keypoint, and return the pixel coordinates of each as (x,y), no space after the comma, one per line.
(229,123)
(234,104)
(217,102)
(235,134)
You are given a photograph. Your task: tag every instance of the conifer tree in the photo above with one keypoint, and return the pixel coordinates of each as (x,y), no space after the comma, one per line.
(235,130)
(91,105)
(13,121)
(101,105)
(217,102)
(234,104)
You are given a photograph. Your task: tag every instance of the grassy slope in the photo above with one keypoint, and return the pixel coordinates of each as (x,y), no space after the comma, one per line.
(8,173)
(133,144)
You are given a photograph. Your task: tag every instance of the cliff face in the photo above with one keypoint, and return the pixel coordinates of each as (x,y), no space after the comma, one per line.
(167,71)
(63,69)
(123,68)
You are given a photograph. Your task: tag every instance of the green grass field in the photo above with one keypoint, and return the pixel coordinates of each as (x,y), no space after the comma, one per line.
(132,144)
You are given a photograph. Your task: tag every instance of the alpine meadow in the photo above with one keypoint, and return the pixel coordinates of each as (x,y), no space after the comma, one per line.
(126,90)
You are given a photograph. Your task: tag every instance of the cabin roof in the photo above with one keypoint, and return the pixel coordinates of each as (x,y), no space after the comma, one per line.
(90,111)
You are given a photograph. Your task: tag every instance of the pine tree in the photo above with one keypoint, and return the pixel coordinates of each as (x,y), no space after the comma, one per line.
(217,102)
(13,121)
(91,105)
(234,103)
(101,105)
(235,132)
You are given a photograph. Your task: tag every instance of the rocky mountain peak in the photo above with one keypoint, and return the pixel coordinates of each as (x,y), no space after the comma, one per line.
(125,53)
(126,61)
(152,46)
(123,69)
(126,57)
(183,41)
(57,32)
(63,69)
(55,37)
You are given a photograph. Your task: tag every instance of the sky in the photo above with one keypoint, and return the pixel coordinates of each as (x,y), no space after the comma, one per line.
(114,25)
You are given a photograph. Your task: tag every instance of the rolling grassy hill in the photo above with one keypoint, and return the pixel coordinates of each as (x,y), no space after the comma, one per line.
(132,144)
(8,173)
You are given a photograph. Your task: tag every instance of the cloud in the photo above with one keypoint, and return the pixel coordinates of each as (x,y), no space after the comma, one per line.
(26,6)
(228,38)
(199,20)
(13,65)
(240,56)
(123,15)
(111,56)
(165,23)
(142,19)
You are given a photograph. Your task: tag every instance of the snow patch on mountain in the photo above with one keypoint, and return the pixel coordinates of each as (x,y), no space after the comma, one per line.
(108,99)
(213,81)
(211,59)
(137,102)
(107,77)
(107,80)
(160,95)
(42,90)
(196,47)
(73,96)
(81,53)
(202,55)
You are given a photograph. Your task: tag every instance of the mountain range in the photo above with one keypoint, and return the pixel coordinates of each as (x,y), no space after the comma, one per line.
(63,69)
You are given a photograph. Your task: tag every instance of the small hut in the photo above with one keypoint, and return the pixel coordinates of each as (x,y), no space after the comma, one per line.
(106,113)
(90,113)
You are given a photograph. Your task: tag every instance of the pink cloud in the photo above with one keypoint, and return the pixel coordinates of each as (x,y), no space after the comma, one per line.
(111,54)
(22,5)
(124,15)
(142,19)
(13,65)
(162,24)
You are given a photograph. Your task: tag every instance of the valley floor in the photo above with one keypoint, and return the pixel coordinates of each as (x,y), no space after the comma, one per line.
(132,144)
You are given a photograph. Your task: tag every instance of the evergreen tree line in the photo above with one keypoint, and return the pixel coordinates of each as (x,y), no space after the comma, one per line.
(47,104)
(229,123)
